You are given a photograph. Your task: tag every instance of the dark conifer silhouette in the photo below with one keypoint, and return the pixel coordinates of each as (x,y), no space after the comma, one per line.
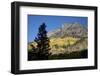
(42,41)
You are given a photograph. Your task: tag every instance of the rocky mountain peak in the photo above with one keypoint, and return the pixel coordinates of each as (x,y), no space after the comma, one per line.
(69,29)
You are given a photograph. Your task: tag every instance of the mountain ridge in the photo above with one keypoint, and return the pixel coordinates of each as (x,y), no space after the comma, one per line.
(69,29)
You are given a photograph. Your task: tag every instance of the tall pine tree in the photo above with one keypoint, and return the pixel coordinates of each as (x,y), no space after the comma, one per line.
(42,41)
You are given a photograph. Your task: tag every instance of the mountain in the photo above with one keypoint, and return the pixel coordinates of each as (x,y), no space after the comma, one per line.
(69,30)
(71,37)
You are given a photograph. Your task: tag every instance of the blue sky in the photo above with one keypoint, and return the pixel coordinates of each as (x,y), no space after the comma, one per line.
(52,23)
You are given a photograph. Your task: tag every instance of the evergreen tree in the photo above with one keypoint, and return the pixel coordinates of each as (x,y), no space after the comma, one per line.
(42,41)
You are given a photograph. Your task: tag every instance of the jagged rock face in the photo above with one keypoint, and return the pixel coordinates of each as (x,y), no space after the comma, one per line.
(69,29)
(74,30)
